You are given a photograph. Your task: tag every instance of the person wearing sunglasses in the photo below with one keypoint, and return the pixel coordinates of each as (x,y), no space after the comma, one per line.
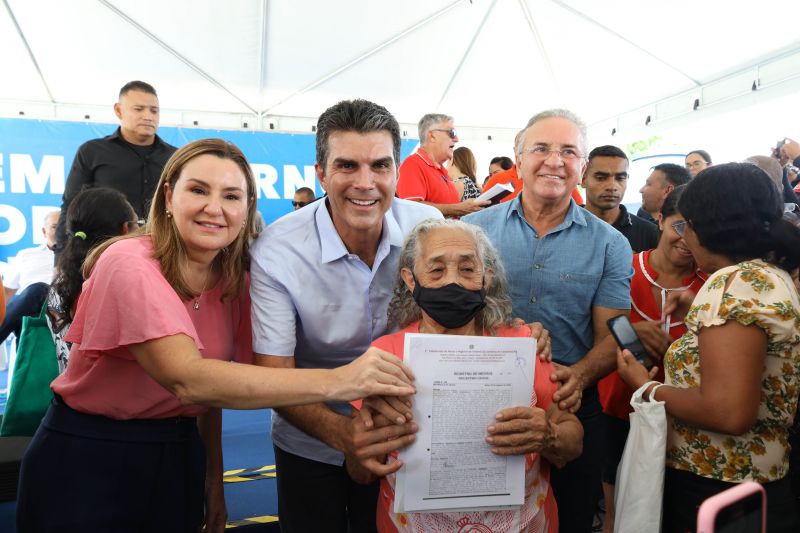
(666,270)
(732,380)
(423,176)
(302,197)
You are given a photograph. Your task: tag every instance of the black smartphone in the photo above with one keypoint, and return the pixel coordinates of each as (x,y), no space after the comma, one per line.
(626,337)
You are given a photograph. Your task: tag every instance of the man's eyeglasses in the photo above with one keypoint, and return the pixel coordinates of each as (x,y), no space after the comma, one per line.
(450,132)
(679,227)
(299,204)
(565,154)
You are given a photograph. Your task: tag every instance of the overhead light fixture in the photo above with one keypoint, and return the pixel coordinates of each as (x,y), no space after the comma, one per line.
(696,104)
(647,121)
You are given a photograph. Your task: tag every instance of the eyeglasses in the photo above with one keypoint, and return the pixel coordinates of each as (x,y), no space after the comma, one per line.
(299,204)
(451,132)
(133,225)
(679,227)
(565,154)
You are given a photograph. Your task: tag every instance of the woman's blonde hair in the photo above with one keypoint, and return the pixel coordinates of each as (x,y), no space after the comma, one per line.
(169,250)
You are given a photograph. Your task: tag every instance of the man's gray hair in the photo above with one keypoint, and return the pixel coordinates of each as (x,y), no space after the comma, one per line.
(556,113)
(427,122)
(771,166)
(403,310)
(48,215)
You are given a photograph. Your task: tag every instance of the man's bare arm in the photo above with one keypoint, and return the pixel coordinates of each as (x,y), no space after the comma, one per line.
(316,419)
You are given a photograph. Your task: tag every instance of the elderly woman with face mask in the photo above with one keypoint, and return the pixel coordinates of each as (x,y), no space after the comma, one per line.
(451,282)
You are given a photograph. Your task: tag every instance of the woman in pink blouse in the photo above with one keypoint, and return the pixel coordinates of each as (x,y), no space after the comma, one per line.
(132,440)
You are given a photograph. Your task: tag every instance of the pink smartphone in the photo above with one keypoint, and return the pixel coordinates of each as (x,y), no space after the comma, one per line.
(741,509)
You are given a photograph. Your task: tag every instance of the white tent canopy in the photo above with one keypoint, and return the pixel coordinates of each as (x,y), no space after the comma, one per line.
(490,63)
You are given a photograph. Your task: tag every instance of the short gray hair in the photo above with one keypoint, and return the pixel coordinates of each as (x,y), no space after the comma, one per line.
(771,166)
(429,121)
(403,310)
(555,113)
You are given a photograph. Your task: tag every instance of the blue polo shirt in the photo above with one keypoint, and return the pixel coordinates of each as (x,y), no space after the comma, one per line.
(315,301)
(558,277)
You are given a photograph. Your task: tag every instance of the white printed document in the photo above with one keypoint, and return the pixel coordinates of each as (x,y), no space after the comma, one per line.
(461,383)
(497,192)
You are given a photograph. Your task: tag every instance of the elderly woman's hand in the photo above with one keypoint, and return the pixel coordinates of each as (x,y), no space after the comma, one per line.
(520,430)
(632,372)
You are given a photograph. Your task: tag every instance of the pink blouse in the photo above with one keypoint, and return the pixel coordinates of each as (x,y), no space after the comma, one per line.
(125,301)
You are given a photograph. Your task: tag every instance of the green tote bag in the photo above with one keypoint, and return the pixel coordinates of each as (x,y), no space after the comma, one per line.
(36,366)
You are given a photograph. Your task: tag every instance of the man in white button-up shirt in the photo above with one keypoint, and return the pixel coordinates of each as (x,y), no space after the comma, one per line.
(321,284)
(27,279)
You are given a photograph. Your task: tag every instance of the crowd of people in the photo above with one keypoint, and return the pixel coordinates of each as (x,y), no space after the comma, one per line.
(309,317)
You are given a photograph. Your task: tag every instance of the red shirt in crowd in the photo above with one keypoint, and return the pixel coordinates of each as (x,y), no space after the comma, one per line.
(423,180)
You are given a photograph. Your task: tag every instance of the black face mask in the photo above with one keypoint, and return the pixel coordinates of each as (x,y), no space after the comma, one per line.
(451,306)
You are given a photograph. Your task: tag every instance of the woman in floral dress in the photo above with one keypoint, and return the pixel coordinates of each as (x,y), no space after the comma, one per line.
(733,377)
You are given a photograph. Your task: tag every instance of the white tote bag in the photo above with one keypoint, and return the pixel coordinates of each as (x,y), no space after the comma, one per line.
(640,475)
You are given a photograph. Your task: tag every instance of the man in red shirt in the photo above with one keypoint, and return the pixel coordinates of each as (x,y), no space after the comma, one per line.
(423,177)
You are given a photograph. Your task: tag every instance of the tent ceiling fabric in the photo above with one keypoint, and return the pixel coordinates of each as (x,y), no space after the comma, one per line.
(490,63)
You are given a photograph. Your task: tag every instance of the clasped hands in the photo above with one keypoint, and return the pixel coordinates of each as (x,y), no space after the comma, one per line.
(384,424)
(377,431)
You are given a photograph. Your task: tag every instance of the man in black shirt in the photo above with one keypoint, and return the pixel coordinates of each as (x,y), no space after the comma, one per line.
(129,160)
(605,180)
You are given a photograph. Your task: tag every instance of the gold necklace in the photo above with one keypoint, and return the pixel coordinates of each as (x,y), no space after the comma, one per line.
(196,305)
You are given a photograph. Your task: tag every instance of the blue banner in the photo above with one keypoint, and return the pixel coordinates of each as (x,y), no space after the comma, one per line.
(36,155)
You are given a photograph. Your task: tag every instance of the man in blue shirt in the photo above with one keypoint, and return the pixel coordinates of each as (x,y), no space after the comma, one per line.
(321,284)
(571,271)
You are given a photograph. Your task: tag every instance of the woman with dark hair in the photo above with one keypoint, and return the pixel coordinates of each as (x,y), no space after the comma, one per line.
(499,164)
(697,160)
(94,216)
(667,269)
(732,379)
(132,438)
(462,171)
